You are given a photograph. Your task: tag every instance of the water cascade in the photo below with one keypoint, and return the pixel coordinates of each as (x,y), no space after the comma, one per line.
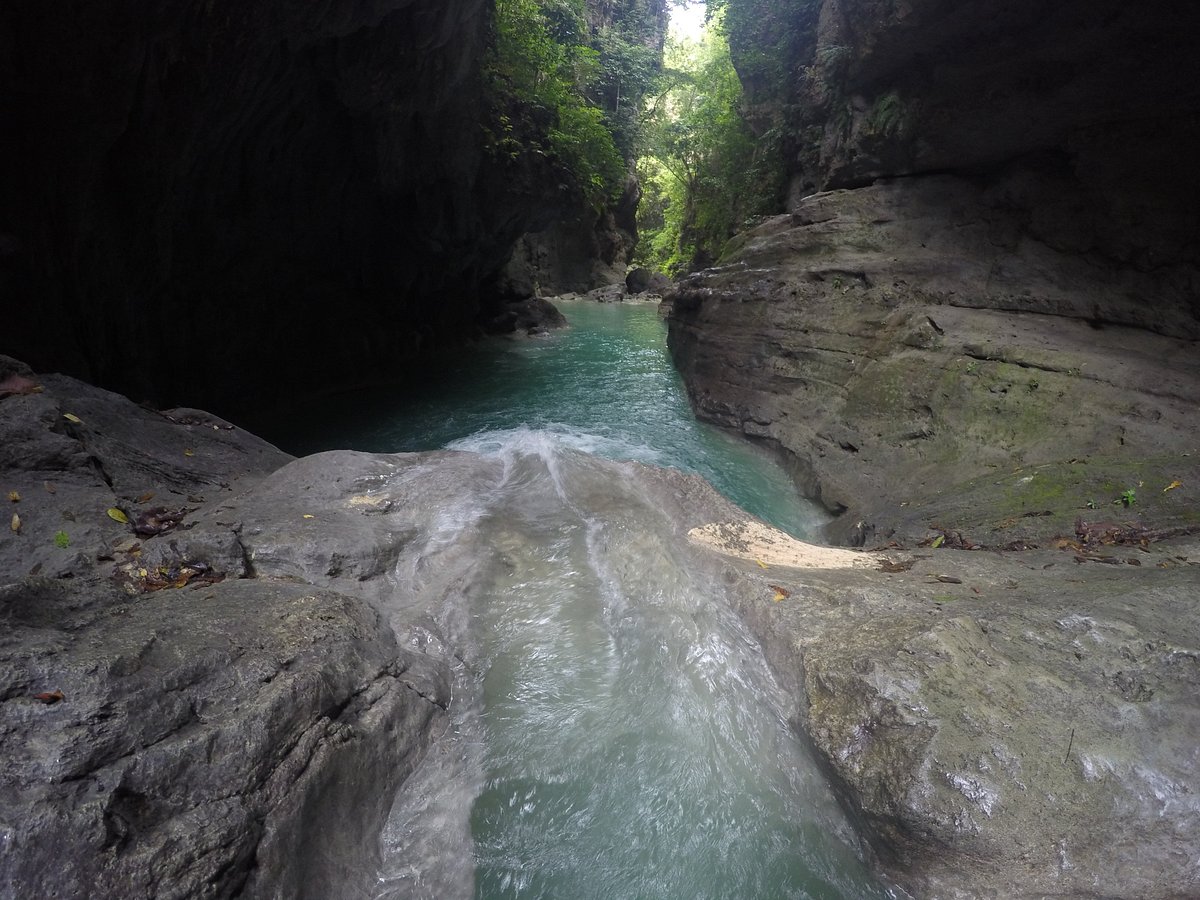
(616,732)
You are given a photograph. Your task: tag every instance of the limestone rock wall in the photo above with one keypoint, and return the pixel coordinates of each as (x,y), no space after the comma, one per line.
(988,200)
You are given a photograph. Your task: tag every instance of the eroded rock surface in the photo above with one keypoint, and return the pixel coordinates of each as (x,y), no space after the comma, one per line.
(172,726)
(1004,725)
(980,313)
(1007,726)
(927,361)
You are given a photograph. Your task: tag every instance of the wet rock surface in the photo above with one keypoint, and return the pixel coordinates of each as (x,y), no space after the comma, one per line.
(174,727)
(1006,725)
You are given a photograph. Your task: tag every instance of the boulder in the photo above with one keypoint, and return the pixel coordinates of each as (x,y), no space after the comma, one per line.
(180,728)
(641,279)
(201,739)
(1003,725)
(611,293)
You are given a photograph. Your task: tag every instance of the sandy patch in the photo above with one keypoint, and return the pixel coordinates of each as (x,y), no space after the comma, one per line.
(771,547)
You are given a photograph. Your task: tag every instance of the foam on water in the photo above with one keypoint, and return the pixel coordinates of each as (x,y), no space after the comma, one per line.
(626,738)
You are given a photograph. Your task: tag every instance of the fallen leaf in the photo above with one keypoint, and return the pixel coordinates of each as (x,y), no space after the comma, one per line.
(14,496)
(938,541)
(117,515)
(145,498)
(886,565)
(138,580)
(976,590)
(50,487)
(189,452)
(311,516)
(1172,486)
(71,417)
(159,519)
(49,697)
(15,525)
(761,564)
(945,579)
(780,593)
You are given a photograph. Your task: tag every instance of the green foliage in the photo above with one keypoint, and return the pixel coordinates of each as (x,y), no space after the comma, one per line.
(61,540)
(704,173)
(627,71)
(539,78)
(887,114)
(1128,498)
(765,36)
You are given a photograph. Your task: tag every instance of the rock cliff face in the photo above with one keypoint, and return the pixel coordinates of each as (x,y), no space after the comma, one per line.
(584,248)
(212,200)
(998,269)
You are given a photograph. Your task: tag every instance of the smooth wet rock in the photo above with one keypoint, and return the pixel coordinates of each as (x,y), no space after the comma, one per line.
(1014,725)
(72,452)
(999,724)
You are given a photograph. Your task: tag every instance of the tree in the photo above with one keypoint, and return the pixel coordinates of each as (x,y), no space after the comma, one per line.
(704,173)
(539,77)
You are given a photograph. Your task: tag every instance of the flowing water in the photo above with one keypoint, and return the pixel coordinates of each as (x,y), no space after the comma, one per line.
(616,733)
(605,386)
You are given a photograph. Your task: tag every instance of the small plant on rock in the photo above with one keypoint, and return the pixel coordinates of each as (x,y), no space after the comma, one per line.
(1128,498)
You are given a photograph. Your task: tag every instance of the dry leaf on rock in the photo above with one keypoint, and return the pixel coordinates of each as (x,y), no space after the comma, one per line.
(159,519)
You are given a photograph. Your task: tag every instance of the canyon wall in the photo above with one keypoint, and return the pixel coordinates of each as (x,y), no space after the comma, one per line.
(977,326)
(221,203)
(989,261)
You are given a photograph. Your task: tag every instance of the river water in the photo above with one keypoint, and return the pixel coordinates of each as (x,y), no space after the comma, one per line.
(616,733)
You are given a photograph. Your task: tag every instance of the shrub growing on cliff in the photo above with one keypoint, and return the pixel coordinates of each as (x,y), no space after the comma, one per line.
(704,173)
(538,77)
